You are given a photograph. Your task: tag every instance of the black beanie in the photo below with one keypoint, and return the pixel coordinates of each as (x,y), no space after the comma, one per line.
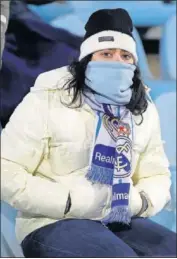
(108,28)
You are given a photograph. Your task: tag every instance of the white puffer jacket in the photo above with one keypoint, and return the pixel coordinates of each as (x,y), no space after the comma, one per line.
(45,153)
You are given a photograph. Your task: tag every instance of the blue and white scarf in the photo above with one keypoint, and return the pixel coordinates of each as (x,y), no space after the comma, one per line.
(111,156)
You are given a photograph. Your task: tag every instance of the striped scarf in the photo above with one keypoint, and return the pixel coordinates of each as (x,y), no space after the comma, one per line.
(110,161)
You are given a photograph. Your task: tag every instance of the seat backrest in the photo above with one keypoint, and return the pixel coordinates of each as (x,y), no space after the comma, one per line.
(69,22)
(166,105)
(163,93)
(142,58)
(168,50)
(50,11)
(143,13)
(167,217)
(9,244)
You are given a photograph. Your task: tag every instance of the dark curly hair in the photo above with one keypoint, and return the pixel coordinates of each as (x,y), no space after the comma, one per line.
(138,103)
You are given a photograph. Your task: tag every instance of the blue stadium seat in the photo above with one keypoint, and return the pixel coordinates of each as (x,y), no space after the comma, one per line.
(159,86)
(164,95)
(69,22)
(142,63)
(143,13)
(9,244)
(168,50)
(166,105)
(50,11)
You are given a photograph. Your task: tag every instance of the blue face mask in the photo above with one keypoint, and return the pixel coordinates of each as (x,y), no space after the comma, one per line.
(111,81)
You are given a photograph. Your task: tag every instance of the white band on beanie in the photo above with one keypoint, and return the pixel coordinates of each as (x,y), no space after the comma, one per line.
(108,40)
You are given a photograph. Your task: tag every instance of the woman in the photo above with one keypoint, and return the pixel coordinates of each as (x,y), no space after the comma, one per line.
(82,156)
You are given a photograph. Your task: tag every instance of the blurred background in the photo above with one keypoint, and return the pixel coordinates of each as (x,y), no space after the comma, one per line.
(44,34)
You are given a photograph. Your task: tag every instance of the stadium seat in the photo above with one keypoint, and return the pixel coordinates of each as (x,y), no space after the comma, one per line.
(167,217)
(69,22)
(142,59)
(143,13)
(164,95)
(159,86)
(168,50)
(49,12)
(9,244)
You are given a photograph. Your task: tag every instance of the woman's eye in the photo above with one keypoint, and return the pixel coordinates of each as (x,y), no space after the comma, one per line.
(106,54)
(126,56)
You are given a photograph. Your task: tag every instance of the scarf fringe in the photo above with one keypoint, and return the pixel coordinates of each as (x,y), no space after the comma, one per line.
(118,214)
(97,174)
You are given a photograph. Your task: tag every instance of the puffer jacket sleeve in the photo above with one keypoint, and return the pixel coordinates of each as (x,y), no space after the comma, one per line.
(23,144)
(152,176)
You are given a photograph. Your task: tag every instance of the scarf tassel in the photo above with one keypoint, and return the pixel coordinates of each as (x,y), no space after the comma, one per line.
(118,214)
(97,174)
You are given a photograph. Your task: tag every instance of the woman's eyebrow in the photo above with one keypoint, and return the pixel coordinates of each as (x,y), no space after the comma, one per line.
(126,51)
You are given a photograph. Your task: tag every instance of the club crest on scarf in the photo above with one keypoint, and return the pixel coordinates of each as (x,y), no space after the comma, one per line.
(115,127)
(119,129)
